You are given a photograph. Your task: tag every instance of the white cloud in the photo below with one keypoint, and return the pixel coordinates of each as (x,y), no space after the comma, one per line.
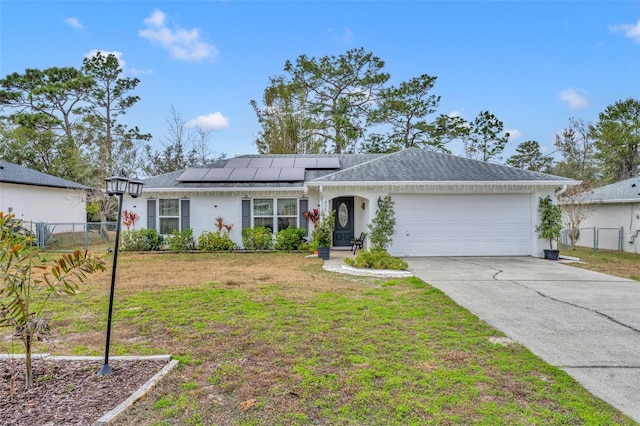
(575,99)
(136,71)
(74,23)
(514,134)
(105,53)
(182,44)
(214,121)
(631,31)
(344,37)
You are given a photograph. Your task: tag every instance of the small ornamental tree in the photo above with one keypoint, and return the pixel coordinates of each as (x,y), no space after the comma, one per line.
(382,227)
(550,226)
(23,292)
(323,233)
(577,204)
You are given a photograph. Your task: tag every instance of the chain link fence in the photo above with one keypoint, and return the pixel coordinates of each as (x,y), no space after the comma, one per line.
(595,237)
(61,236)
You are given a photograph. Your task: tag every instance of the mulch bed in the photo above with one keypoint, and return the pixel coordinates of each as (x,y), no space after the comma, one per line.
(68,392)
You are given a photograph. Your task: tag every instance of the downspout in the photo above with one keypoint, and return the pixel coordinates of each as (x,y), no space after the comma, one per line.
(561,191)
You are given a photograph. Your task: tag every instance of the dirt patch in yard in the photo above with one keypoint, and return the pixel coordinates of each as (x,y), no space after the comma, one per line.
(68,392)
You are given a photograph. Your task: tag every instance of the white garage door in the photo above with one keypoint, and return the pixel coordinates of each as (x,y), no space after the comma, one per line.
(462,225)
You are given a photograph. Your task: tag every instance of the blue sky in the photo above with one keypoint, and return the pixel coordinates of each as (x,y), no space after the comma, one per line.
(532,64)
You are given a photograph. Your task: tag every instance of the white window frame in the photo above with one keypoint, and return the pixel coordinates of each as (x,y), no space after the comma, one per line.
(162,217)
(273,212)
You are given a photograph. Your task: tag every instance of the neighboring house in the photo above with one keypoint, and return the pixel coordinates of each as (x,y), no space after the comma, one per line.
(38,197)
(444,205)
(615,207)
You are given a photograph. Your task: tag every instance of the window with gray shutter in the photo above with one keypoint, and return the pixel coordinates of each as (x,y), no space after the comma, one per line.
(246,214)
(184,214)
(151,214)
(304,206)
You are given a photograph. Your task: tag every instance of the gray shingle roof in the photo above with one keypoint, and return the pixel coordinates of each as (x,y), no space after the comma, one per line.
(419,165)
(625,190)
(410,165)
(12,173)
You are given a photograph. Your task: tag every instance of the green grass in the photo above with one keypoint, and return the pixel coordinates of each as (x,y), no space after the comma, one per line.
(327,349)
(617,263)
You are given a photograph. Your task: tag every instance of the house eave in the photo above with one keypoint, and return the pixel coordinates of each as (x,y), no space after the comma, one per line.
(462,186)
(614,201)
(148,192)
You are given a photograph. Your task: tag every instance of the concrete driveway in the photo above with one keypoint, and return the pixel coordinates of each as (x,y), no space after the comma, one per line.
(584,322)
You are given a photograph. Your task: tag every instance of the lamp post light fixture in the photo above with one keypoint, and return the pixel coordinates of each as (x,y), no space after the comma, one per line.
(117,185)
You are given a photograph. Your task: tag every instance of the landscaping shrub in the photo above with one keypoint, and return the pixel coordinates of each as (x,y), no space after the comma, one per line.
(376,259)
(215,241)
(382,227)
(290,239)
(180,241)
(145,239)
(258,238)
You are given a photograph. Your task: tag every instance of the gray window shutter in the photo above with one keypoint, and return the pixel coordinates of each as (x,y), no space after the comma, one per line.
(184,214)
(151,214)
(303,207)
(246,214)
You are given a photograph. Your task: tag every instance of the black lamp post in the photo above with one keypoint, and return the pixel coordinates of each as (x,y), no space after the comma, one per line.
(117,185)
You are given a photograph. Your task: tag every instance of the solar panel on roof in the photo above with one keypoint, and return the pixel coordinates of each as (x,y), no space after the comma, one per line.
(217,175)
(236,163)
(286,162)
(292,174)
(245,174)
(328,163)
(267,174)
(192,174)
(306,163)
(260,162)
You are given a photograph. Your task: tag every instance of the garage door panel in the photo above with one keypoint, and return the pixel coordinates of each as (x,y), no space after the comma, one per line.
(463,225)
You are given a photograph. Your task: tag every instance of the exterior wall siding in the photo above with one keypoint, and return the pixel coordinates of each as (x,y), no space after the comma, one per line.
(204,209)
(43,204)
(613,215)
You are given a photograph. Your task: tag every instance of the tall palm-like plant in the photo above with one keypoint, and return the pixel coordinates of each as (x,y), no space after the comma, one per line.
(26,284)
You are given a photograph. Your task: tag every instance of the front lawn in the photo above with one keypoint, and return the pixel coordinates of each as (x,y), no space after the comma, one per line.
(617,263)
(272,339)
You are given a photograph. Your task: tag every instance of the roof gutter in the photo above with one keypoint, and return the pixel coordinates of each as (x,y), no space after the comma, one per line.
(229,191)
(457,183)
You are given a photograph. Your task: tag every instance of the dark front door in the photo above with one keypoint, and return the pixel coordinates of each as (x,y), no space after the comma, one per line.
(343,231)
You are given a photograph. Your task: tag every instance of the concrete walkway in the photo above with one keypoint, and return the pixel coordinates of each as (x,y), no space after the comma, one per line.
(584,322)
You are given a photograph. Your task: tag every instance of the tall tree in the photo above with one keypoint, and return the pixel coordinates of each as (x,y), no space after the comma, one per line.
(576,146)
(286,125)
(485,140)
(115,145)
(529,157)
(181,148)
(338,94)
(617,139)
(42,121)
(405,108)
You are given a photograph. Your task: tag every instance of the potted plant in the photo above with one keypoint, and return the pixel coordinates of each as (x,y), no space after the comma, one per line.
(323,234)
(550,226)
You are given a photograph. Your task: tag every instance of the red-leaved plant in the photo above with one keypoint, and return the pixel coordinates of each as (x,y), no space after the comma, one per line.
(129,218)
(313,216)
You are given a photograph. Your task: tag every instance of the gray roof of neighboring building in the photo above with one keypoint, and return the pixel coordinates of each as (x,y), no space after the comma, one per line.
(13,173)
(409,165)
(625,190)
